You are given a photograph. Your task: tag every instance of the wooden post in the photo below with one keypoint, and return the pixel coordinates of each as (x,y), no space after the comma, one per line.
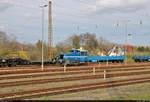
(99,64)
(94,71)
(65,64)
(104,74)
(64,68)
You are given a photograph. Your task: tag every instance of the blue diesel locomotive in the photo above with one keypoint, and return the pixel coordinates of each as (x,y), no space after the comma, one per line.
(74,57)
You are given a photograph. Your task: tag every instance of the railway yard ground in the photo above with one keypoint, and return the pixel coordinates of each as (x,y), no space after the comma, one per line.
(87,82)
(129,92)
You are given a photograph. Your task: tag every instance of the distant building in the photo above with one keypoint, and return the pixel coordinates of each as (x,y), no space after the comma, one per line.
(128,48)
(117,50)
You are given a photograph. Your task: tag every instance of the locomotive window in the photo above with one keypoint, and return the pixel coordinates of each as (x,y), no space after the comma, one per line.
(71,51)
(61,56)
(78,52)
(84,53)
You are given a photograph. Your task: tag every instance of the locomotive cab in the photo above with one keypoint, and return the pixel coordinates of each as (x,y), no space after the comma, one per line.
(79,52)
(74,57)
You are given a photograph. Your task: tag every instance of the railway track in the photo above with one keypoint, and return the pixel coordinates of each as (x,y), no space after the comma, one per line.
(50,80)
(67,73)
(55,66)
(27,67)
(69,69)
(71,89)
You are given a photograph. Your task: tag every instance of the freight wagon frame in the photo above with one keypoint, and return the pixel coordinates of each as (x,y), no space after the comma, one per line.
(141,58)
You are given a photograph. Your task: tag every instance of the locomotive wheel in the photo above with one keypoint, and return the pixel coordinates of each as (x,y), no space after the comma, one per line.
(9,65)
(86,63)
(77,63)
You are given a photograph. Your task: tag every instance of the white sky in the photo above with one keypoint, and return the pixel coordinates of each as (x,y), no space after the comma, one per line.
(23,19)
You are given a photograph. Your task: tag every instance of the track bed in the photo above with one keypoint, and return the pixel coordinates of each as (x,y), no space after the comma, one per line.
(29,85)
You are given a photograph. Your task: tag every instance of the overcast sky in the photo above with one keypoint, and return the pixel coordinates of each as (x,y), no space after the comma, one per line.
(105,18)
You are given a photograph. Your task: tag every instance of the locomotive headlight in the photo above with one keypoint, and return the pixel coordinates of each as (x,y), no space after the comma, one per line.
(3,60)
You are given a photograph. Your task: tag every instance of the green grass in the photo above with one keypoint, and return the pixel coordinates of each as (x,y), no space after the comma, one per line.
(134,96)
(129,57)
(45,98)
(20,89)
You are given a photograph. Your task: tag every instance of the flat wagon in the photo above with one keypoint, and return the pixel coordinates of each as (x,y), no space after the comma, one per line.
(141,58)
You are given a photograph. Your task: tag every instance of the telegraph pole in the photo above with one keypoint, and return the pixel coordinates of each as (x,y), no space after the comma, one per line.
(126,33)
(126,38)
(50,31)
